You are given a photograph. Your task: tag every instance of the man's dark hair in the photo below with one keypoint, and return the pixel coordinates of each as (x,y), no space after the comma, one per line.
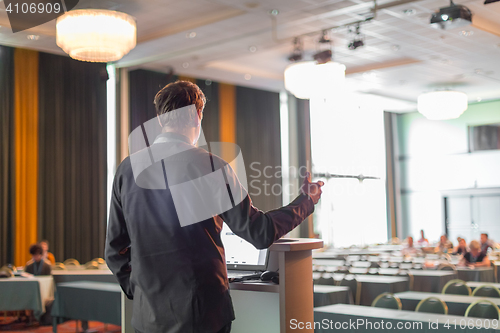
(177,95)
(485,233)
(36,249)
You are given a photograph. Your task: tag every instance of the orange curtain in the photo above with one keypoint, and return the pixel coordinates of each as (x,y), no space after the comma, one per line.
(26,152)
(227,119)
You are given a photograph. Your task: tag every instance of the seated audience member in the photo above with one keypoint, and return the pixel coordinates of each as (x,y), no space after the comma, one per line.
(423,242)
(47,256)
(461,248)
(444,246)
(410,250)
(38,266)
(487,243)
(475,258)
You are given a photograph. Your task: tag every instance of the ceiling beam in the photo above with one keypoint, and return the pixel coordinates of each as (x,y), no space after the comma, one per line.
(382,65)
(208,18)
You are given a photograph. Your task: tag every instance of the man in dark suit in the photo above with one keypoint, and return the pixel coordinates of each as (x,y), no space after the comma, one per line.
(167,209)
(37,266)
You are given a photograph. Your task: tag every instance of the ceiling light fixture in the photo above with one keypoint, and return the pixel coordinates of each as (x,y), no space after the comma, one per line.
(96,35)
(451,17)
(357,41)
(442,105)
(319,78)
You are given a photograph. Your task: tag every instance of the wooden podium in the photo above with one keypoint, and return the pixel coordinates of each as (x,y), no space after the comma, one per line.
(267,307)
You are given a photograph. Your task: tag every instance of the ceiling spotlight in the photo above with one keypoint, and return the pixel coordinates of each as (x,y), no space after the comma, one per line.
(323,56)
(185,64)
(192,34)
(410,11)
(297,50)
(248,77)
(355,44)
(252,49)
(33,37)
(357,41)
(451,17)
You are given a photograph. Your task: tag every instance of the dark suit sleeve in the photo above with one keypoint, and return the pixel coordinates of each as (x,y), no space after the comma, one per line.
(47,269)
(29,269)
(117,250)
(259,228)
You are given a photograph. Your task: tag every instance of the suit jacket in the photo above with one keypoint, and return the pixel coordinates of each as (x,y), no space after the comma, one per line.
(46,269)
(177,274)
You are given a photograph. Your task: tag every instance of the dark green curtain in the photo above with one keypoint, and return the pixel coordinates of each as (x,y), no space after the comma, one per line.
(258,135)
(72,157)
(7,195)
(210,122)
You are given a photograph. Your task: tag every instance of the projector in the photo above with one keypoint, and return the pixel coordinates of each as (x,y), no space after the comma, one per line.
(451,17)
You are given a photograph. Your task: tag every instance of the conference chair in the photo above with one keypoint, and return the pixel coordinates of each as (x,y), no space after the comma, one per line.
(447,267)
(483,309)
(59,266)
(351,282)
(91,265)
(456,287)
(5,272)
(71,262)
(432,305)
(410,277)
(99,261)
(387,301)
(486,291)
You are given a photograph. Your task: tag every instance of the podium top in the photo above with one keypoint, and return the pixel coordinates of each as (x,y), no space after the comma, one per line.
(296,244)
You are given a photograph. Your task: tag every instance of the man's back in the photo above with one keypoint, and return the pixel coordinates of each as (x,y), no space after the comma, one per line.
(178,278)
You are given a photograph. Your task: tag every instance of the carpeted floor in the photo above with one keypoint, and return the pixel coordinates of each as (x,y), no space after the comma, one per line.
(10,324)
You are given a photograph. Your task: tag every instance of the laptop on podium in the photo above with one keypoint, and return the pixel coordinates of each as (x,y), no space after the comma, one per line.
(242,258)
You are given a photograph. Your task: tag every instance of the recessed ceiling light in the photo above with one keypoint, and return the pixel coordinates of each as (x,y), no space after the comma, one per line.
(274,12)
(33,37)
(409,11)
(248,77)
(208,82)
(466,33)
(395,47)
(252,49)
(191,34)
(185,64)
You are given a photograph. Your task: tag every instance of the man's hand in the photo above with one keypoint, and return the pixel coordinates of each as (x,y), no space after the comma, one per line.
(313,190)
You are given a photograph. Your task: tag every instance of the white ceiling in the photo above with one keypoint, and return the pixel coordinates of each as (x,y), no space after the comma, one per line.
(403,55)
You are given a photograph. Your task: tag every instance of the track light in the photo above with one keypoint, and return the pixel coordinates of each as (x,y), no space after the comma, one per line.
(357,39)
(297,50)
(451,17)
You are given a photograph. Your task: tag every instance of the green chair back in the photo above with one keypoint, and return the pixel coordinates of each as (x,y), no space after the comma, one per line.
(387,301)
(486,291)
(483,309)
(456,287)
(432,305)
(351,282)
